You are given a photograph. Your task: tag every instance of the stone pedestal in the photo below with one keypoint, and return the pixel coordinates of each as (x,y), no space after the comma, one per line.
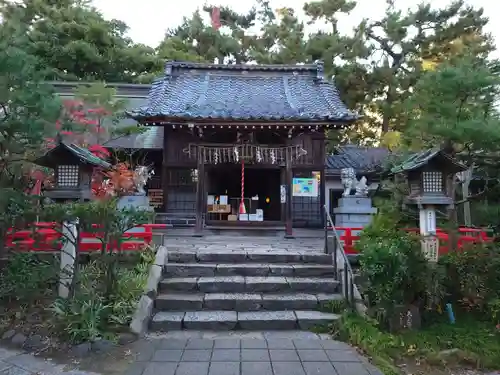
(354,212)
(138,202)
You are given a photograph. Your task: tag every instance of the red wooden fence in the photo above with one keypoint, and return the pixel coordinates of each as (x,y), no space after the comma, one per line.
(466,235)
(44,238)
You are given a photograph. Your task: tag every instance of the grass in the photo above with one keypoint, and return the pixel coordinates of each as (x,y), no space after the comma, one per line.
(470,343)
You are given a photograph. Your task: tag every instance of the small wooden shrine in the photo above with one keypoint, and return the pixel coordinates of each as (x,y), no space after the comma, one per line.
(244,144)
(73,167)
(430,175)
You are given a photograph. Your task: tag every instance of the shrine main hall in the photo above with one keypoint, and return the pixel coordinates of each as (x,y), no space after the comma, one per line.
(235,145)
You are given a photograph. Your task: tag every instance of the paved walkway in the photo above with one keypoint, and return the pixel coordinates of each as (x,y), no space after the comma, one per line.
(208,353)
(234,243)
(17,362)
(247,356)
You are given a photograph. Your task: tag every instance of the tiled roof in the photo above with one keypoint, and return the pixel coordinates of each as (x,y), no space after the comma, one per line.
(195,91)
(86,156)
(83,155)
(359,158)
(151,139)
(420,159)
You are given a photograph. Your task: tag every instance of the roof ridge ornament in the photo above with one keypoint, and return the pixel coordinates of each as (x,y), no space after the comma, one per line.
(320,70)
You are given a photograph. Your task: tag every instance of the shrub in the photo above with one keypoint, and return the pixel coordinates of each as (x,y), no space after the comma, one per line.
(27,277)
(472,276)
(95,311)
(394,270)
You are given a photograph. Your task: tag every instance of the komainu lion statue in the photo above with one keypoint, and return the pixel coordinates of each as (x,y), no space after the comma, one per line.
(349,181)
(141,176)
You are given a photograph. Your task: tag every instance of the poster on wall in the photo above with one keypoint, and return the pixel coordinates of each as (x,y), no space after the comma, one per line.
(305,187)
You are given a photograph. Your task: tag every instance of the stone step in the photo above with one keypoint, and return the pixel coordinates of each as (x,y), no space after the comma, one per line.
(242,301)
(252,284)
(248,269)
(240,257)
(232,320)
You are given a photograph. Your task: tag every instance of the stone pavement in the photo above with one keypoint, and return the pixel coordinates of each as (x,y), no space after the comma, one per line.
(247,356)
(17,362)
(209,353)
(238,243)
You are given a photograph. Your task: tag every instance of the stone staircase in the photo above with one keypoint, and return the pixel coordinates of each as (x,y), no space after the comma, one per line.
(244,285)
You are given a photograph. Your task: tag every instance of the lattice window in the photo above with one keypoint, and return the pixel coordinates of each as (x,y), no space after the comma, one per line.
(432,182)
(306,211)
(67,175)
(181,197)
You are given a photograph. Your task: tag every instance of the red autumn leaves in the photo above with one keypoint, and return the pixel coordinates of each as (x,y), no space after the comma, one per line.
(88,131)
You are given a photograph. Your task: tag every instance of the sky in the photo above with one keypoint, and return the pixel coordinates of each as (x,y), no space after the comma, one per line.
(149,19)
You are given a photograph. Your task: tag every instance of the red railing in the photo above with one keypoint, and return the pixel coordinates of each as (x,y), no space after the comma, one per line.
(466,236)
(43,237)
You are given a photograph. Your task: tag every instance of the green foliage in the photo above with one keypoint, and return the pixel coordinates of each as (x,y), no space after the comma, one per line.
(464,116)
(393,269)
(81,318)
(394,272)
(104,293)
(27,277)
(95,311)
(469,342)
(112,222)
(473,279)
(376,66)
(365,334)
(486,214)
(28,106)
(77,43)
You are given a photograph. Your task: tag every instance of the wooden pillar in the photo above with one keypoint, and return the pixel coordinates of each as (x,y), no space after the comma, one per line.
(288,204)
(165,178)
(165,173)
(200,192)
(322,195)
(282,203)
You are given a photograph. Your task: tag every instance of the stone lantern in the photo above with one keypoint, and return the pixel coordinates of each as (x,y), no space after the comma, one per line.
(73,167)
(430,175)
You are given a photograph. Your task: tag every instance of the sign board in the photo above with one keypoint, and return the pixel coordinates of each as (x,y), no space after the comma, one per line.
(305,187)
(283,194)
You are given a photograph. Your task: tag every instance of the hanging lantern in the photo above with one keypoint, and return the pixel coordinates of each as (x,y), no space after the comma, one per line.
(236,154)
